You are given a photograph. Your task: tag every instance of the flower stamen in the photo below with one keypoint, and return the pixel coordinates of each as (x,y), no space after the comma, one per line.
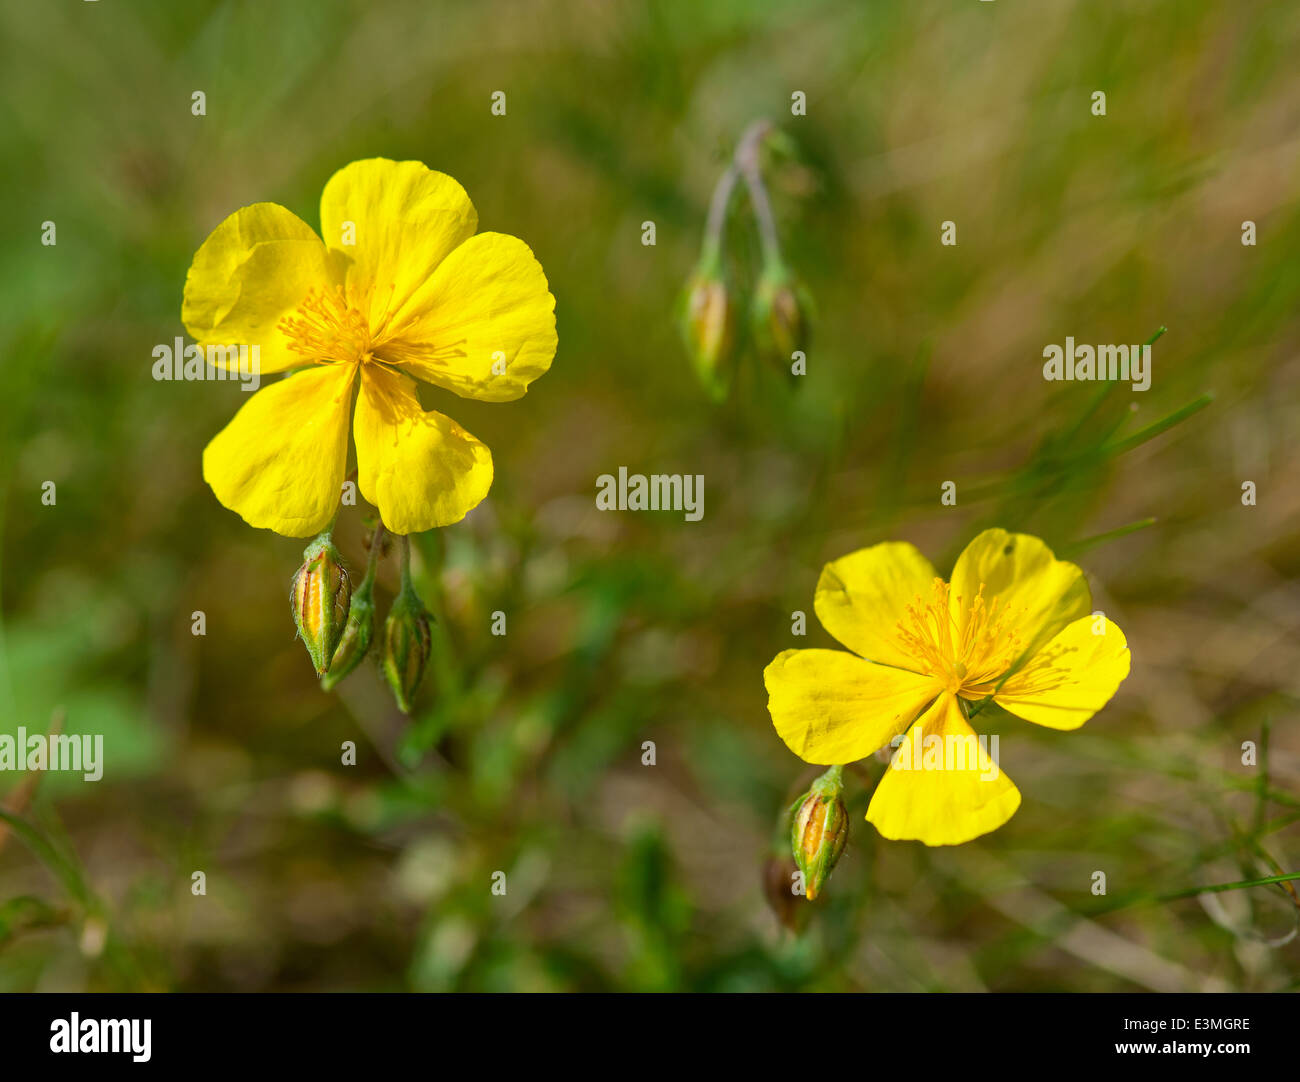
(967,658)
(326,328)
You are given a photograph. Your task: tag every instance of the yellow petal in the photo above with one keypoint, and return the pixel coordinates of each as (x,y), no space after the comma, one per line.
(419,468)
(861,599)
(402,218)
(832,707)
(1071,677)
(280,461)
(483,326)
(1039,593)
(941,788)
(255,268)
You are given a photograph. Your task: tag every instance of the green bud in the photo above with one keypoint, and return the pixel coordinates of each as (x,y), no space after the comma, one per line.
(321,596)
(779,315)
(406,646)
(708,325)
(819,831)
(355,642)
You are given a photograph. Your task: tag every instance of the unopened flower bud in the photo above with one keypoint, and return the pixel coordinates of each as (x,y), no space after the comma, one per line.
(355,642)
(708,324)
(321,596)
(779,315)
(819,831)
(406,646)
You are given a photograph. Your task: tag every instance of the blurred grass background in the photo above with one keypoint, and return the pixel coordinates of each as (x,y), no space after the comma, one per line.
(524,755)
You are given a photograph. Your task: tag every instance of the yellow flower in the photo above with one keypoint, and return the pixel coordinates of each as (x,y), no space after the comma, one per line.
(1014,623)
(401,289)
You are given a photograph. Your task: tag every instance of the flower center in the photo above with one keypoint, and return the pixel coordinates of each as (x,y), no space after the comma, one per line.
(968,659)
(325,328)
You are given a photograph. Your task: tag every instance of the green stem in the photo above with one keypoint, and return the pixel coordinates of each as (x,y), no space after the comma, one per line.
(1103,395)
(1154,430)
(1219,888)
(716,226)
(1110,535)
(747,161)
(372,561)
(405,558)
(831,781)
(55,862)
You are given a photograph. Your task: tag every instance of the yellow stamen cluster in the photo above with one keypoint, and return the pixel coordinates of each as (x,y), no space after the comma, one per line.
(967,657)
(326,328)
(402,351)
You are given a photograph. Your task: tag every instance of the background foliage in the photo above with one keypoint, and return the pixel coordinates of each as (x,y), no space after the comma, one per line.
(524,754)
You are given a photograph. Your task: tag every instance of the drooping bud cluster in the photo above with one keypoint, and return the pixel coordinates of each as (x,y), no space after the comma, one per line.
(337,623)
(321,597)
(779,308)
(820,830)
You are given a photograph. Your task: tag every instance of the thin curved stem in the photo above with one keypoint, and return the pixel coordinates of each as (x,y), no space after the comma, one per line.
(716,225)
(405,558)
(747,160)
(1192,892)
(372,560)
